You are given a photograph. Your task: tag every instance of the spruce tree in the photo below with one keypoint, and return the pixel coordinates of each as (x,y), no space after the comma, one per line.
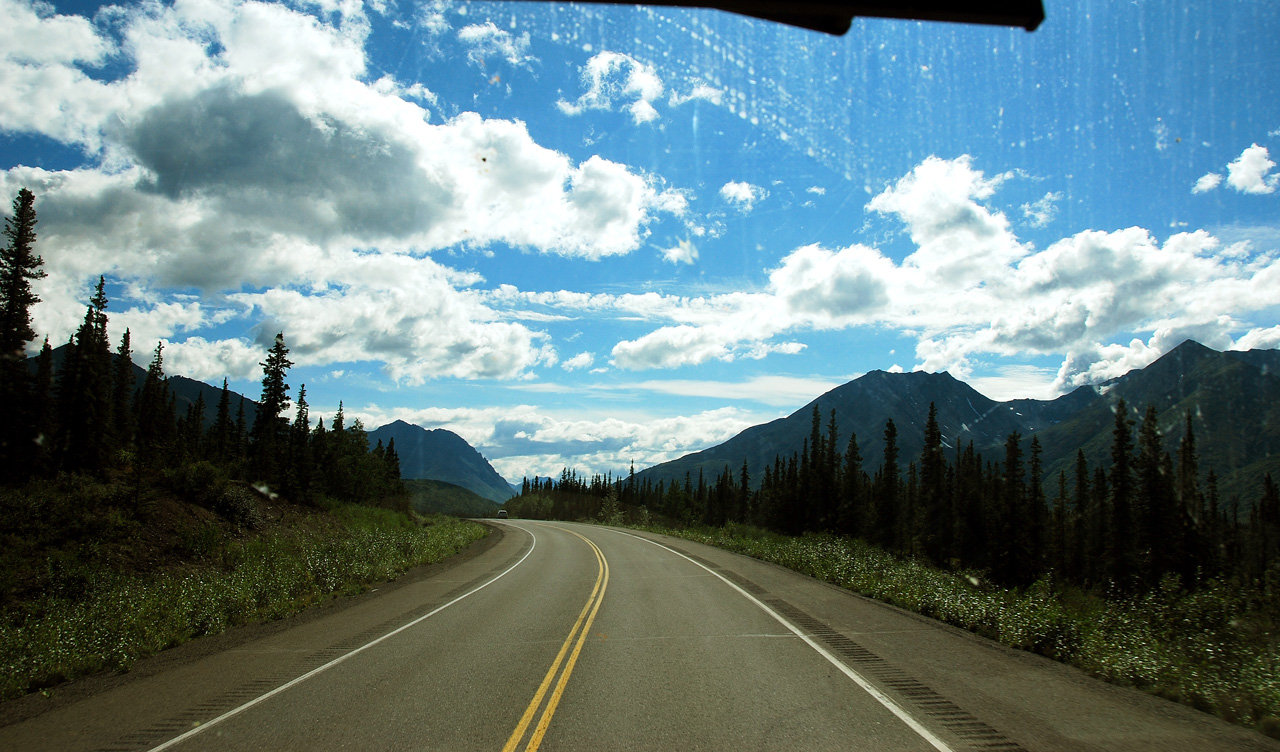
(1058,544)
(1191,517)
(1215,554)
(154,415)
(888,495)
(1010,565)
(935,514)
(393,460)
(825,510)
(222,430)
(122,388)
(193,436)
(1036,511)
(240,439)
(19,266)
(852,519)
(270,427)
(1153,504)
(300,460)
(1085,551)
(84,389)
(1121,557)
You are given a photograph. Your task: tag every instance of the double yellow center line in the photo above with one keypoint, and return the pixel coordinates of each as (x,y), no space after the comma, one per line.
(580,629)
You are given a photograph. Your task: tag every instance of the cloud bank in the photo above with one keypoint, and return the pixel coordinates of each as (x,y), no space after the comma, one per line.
(244,148)
(971,289)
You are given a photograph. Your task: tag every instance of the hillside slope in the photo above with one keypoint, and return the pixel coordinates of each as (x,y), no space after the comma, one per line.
(440,454)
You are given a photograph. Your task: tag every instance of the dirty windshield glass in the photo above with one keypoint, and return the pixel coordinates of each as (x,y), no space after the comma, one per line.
(975,320)
(592,236)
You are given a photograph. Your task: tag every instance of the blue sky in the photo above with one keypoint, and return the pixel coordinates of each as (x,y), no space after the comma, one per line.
(591,236)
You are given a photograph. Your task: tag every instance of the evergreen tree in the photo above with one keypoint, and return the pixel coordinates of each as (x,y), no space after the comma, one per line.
(811,497)
(935,513)
(270,427)
(1214,545)
(1100,528)
(240,440)
(829,477)
(1036,512)
(193,438)
(393,460)
(1190,515)
(122,388)
(222,430)
(1122,565)
(1156,535)
(84,396)
(1010,565)
(887,497)
(1085,550)
(1058,550)
(852,520)
(155,417)
(972,543)
(19,266)
(300,461)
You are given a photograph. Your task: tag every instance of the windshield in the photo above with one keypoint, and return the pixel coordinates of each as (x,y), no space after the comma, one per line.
(598,236)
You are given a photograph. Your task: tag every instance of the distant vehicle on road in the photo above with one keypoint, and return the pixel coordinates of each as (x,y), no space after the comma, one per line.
(502,514)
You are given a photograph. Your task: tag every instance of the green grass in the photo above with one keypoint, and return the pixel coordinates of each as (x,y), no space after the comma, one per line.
(93,618)
(1211,648)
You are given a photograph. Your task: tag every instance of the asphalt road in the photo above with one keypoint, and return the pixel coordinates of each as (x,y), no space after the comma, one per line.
(575,637)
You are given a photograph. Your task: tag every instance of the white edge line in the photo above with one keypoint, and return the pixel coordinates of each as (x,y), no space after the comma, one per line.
(341,658)
(858,679)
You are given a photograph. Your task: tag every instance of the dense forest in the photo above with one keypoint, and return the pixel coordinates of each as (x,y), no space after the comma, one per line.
(1146,516)
(83,412)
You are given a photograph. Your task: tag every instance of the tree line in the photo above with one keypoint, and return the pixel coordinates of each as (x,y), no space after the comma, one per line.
(1146,516)
(88,415)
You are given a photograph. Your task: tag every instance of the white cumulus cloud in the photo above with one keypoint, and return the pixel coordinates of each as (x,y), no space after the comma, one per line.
(683,252)
(1043,211)
(971,289)
(744,196)
(487,42)
(612,79)
(246,147)
(1207,182)
(581,360)
(1247,173)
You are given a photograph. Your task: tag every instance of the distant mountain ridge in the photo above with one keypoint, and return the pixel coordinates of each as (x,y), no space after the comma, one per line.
(440,454)
(1234,398)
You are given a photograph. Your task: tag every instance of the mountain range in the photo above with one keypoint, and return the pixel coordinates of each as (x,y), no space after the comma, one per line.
(440,454)
(1234,399)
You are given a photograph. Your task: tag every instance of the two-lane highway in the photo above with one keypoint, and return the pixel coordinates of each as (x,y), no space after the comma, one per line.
(566,636)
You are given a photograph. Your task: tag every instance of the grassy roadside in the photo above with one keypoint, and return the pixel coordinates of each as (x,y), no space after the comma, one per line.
(92,616)
(1210,648)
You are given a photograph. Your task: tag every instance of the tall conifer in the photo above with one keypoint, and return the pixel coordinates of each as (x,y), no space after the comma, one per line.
(122,388)
(19,267)
(270,427)
(1121,556)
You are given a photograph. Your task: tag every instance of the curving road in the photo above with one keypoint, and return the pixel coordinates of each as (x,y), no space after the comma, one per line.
(577,637)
